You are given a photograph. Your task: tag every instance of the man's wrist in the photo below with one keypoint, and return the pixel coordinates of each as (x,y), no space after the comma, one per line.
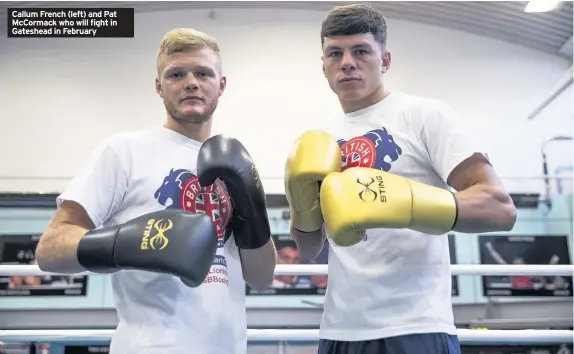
(95,252)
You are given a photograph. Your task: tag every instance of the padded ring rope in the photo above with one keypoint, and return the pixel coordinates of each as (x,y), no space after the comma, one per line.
(321,269)
(466,336)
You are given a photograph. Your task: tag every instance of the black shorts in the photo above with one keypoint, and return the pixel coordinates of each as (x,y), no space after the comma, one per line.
(424,343)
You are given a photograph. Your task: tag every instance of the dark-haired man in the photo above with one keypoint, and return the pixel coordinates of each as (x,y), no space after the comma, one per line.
(376,184)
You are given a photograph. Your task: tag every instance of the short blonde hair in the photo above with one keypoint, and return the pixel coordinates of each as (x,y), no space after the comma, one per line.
(184,39)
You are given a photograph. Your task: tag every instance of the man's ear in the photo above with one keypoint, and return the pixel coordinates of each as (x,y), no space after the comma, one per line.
(386,60)
(158,87)
(222,85)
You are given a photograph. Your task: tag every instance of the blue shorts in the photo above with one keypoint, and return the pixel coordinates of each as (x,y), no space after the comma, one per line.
(424,343)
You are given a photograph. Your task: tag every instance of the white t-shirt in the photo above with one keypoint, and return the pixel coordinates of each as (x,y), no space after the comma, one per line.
(136,173)
(396,281)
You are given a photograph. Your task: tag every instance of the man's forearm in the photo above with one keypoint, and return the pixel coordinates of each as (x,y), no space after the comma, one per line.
(484,208)
(259,265)
(309,243)
(57,249)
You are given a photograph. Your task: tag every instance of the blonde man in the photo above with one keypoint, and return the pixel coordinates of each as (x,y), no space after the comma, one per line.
(141,205)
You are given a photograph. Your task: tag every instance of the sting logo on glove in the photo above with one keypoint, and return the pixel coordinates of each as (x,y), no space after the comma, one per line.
(371,193)
(158,241)
(385,200)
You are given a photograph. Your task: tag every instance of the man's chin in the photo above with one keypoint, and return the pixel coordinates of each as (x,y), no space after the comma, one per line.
(194,119)
(193,113)
(187,117)
(195,110)
(351,95)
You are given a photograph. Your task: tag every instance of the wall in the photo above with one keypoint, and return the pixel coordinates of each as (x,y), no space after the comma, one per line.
(63,96)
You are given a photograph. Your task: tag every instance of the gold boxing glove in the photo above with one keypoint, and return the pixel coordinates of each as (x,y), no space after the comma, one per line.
(363,198)
(314,155)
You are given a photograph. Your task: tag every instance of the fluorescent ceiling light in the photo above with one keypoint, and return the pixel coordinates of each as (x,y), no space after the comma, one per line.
(541,5)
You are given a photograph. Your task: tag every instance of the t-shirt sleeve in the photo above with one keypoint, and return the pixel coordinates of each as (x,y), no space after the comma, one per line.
(101,184)
(449,141)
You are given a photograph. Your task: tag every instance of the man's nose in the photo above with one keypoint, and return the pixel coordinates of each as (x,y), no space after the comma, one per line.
(348,62)
(191,82)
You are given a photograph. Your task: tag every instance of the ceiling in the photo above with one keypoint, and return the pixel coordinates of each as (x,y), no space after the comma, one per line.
(550,32)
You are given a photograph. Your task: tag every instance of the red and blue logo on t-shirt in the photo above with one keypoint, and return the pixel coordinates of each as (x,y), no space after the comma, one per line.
(374,149)
(181,190)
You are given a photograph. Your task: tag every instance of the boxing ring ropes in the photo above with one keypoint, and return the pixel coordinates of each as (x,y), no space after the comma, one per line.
(466,336)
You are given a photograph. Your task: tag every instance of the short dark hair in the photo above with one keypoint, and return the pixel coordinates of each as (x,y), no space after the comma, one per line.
(347,20)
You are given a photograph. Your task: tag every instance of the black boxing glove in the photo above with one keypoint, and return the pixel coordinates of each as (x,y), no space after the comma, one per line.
(225,158)
(173,241)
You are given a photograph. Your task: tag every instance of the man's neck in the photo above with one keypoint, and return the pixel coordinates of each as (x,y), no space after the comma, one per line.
(199,132)
(377,96)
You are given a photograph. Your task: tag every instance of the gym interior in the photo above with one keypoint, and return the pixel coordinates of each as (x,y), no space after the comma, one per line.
(505,67)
